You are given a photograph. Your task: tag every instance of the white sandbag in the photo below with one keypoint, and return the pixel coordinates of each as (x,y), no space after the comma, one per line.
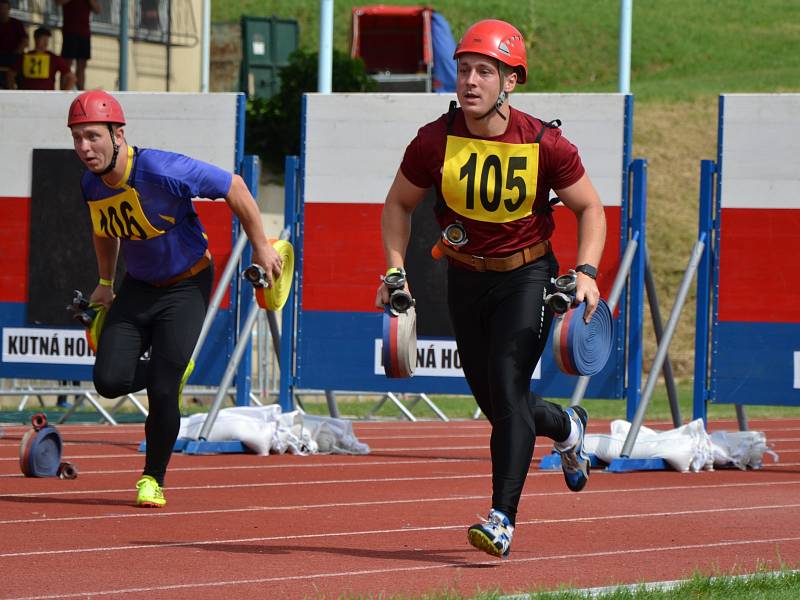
(252,432)
(741,449)
(334,436)
(284,432)
(265,429)
(266,414)
(603,446)
(292,437)
(686,448)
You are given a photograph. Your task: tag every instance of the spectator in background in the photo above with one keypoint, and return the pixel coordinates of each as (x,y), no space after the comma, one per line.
(39,67)
(13,41)
(77,43)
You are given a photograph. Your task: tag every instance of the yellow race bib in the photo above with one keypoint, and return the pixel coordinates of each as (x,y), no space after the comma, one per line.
(36,66)
(490,181)
(122,216)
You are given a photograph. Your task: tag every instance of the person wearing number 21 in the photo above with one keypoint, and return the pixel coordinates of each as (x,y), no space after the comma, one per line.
(493,168)
(140,202)
(38,68)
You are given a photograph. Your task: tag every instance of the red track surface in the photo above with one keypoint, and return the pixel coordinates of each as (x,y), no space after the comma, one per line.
(392,522)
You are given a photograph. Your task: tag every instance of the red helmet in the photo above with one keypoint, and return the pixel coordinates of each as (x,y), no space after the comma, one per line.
(95,106)
(499,40)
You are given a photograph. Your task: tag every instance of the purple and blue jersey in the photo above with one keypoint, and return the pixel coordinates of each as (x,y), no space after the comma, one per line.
(150,210)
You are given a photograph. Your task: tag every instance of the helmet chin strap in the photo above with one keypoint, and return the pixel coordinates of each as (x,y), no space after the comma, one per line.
(501,98)
(113,162)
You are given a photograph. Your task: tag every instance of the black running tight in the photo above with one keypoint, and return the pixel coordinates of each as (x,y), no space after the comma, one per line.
(501,328)
(167,321)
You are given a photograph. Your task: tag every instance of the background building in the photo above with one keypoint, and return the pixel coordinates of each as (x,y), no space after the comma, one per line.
(164,50)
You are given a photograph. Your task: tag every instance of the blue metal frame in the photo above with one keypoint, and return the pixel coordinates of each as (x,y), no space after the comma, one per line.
(625,236)
(717,224)
(241,114)
(638,208)
(292,220)
(705,226)
(241,168)
(301,208)
(244,373)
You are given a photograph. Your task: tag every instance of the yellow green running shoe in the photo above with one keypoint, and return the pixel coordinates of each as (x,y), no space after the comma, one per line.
(150,494)
(186,374)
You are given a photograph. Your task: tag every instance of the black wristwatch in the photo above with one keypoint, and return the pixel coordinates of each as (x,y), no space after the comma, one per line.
(587,270)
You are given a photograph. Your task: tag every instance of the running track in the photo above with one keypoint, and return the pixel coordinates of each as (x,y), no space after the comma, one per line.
(392,522)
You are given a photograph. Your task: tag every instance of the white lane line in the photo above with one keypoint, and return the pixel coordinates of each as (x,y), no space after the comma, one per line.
(261,484)
(193,513)
(432,436)
(429,448)
(327,465)
(768,463)
(76,426)
(427,425)
(356,462)
(85,456)
(178,455)
(339,534)
(150,514)
(392,433)
(479,434)
(293,467)
(398,438)
(769,424)
(572,556)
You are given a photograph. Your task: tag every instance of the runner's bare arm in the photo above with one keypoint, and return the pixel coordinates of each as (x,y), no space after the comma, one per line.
(582,199)
(106,250)
(244,206)
(401,200)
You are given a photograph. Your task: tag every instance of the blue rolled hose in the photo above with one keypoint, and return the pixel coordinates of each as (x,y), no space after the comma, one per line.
(583,348)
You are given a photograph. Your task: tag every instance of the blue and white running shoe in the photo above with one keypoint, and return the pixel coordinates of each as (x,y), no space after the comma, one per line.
(574,461)
(492,536)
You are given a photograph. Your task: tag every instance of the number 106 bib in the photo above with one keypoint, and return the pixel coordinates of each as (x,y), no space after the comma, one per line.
(490,181)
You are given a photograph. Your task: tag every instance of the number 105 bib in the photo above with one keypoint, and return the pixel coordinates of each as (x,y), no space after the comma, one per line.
(490,181)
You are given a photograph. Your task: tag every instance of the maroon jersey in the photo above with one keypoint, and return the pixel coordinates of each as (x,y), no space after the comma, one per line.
(12,32)
(76,17)
(38,70)
(497,188)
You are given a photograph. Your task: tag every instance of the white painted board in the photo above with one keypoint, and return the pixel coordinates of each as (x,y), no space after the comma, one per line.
(354,142)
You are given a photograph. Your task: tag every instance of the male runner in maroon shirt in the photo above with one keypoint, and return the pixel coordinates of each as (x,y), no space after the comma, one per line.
(493,168)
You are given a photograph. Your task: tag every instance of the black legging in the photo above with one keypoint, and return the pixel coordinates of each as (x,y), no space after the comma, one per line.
(501,327)
(166,320)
